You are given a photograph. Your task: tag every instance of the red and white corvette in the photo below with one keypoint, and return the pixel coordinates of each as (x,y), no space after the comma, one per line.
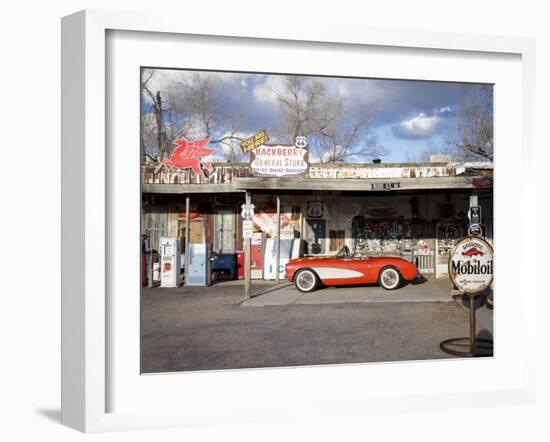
(309,273)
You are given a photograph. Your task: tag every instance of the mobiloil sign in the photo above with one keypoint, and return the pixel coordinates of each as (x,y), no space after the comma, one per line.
(471,265)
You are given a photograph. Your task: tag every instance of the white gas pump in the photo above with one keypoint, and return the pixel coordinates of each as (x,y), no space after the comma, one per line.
(169,248)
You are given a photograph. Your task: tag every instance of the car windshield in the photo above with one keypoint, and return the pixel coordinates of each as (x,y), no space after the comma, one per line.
(344,253)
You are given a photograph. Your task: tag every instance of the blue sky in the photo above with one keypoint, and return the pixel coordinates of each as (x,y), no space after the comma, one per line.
(408,117)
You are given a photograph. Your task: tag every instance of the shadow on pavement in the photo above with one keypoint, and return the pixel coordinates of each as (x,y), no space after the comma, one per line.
(418,281)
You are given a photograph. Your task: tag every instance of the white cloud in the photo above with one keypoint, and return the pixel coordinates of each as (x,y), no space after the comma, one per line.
(419,126)
(268,91)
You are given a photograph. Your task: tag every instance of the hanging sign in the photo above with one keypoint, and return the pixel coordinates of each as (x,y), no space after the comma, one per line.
(253,142)
(471,265)
(475,230)
(279,160)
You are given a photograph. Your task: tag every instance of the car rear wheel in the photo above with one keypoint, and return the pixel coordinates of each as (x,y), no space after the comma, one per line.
(389,278)
(306,280)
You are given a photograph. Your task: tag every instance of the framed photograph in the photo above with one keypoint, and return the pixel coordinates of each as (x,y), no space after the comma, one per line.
(176,311)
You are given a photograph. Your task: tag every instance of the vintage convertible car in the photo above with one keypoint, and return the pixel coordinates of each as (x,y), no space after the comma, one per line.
(309,273)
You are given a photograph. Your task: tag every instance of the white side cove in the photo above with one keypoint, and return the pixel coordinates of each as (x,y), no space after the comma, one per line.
(335,272)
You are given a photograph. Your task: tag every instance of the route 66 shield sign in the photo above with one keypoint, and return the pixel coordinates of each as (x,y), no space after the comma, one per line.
(247,211)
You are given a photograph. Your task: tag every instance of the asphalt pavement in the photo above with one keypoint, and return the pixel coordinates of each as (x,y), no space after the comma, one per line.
(209,328)
(286,293)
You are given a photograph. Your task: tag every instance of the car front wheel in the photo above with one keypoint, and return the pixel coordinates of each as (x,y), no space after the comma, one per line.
(306,280)
(389,278)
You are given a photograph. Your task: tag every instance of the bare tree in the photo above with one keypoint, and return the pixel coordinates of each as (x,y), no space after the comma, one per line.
(334,133)
(305,109)
(198,114)
(162,142)
(345,139)
(472,137)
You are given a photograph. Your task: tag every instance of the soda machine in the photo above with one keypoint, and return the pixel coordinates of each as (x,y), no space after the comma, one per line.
(197,274)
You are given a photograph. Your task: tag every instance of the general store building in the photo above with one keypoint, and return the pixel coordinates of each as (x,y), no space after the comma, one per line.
(413,210)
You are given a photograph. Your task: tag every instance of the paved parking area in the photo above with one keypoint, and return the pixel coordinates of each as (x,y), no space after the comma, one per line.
(207,328)
(422,291)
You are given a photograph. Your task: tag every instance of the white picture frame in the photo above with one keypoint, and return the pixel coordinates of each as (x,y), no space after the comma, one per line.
(87,355)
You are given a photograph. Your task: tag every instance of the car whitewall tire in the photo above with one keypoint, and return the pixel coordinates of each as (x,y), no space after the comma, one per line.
(306,280)
(389,278)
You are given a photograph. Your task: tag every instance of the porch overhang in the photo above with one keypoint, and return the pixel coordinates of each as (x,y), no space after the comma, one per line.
(240,185)
(360,185)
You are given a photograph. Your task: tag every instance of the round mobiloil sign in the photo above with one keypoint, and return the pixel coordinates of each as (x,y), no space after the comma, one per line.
(471,265)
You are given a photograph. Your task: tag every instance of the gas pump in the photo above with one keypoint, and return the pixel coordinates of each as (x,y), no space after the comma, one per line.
(169,261)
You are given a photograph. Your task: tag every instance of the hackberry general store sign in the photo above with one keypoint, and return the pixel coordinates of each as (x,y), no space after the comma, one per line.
(471,265)
(279,160)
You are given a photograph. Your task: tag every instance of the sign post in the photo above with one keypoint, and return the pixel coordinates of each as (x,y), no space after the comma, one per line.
(278,259)
(471,271)
(247,214)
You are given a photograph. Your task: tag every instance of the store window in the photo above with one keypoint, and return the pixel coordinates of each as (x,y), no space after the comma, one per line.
(224,231)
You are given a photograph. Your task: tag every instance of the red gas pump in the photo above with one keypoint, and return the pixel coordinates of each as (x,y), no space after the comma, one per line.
(256,256)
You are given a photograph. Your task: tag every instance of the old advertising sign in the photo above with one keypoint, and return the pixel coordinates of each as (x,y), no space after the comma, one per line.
(475,230)
(266,219)
(253,142)
(279,160)
(471,265)
(189,155)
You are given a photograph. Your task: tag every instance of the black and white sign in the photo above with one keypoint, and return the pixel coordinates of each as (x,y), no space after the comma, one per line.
(300,142)
(385,186)
(314,209)
(475,214)
(247,211)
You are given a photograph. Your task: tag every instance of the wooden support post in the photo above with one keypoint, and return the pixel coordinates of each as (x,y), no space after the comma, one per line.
(436,249)
(278,244)
(247,260)
(186,257)
(150,266)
